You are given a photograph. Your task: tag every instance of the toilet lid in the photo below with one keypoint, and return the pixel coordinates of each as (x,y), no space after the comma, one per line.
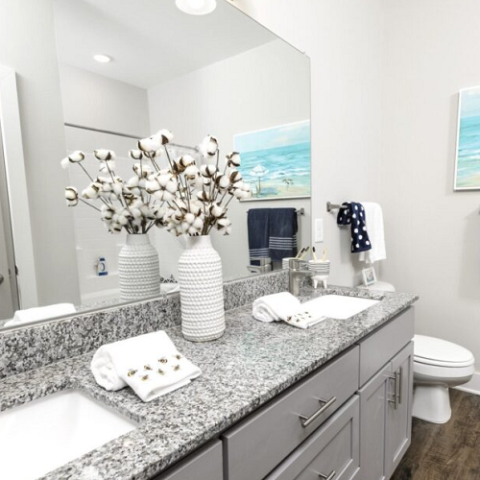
(434,351)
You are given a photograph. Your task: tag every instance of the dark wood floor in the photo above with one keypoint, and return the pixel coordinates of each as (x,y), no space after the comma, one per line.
(446,452)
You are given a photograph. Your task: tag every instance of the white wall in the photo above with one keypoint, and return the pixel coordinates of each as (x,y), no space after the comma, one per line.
(28,46)
(345,41)
(96,101)
(223,100)
(433,232)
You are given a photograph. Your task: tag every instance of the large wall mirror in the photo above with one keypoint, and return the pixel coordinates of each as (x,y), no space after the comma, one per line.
(221,74)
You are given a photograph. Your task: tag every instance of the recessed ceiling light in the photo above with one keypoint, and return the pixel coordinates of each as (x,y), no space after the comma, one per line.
(100,58)
(196,7)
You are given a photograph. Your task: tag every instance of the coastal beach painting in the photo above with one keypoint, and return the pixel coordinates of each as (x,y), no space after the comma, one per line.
(467,170)
(276,161)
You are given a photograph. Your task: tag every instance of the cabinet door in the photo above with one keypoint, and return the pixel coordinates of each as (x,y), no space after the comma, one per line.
(206,463)
(399,415)
(374,398)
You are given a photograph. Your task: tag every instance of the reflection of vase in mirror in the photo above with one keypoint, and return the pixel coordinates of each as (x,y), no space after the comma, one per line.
(139,269)
(201,291)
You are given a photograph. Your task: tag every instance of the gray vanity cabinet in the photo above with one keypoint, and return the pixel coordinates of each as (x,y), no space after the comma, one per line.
(385,416)
(332,452)
(205,464)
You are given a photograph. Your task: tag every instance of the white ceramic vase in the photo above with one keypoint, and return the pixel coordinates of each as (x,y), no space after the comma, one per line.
(201,291)
(139,269)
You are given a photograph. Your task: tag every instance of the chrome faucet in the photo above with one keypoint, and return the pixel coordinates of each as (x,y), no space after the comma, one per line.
(297,270)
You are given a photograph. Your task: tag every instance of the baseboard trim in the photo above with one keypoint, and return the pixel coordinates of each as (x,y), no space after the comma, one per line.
(473,386)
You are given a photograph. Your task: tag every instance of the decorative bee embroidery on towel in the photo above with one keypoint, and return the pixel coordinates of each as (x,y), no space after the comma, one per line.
(178,356)
(147,367)
(144,378)
(160,371)
(163,360)
(176,368)
(131,373)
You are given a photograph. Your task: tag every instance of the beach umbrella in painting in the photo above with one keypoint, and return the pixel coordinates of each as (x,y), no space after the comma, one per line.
(259,171)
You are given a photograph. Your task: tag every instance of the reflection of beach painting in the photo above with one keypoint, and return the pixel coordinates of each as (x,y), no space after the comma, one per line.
(467,172)
(276,161)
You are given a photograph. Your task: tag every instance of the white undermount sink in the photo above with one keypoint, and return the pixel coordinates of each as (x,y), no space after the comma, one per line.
(339,306)
(45,434)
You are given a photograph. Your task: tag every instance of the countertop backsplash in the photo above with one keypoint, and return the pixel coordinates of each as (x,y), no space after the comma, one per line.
(36,346)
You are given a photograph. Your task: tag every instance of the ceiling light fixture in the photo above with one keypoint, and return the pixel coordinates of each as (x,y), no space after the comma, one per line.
(100,58)
(196,7)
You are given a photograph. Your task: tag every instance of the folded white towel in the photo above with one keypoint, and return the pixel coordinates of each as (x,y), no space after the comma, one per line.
(150,364)
(284,306)
(41,313)
(376,233)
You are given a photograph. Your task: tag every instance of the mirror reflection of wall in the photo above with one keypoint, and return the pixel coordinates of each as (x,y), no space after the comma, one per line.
(224,75)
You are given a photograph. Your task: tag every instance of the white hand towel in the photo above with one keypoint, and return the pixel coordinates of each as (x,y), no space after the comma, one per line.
(284,306)
(276,307)
(150,364)
(376,232)
(41,313)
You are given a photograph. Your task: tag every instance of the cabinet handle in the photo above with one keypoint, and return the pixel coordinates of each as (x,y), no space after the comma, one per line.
(400,385)
(395,390)
(306,421)
(328,477)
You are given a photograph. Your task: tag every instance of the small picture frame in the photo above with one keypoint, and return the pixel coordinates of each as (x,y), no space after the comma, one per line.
(369,276)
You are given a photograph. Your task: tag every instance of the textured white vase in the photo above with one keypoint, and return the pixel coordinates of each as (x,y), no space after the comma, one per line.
(201,291)
(139,269)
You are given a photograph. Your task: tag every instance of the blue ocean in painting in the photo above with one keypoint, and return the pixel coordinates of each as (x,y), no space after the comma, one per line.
(468,164)
(276,161)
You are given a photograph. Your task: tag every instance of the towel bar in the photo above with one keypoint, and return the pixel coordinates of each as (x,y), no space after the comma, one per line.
(300,211)
(332,206)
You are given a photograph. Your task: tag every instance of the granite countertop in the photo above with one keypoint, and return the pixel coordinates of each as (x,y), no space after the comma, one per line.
(252,363)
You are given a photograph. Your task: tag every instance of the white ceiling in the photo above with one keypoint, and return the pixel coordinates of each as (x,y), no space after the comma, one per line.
(150,41)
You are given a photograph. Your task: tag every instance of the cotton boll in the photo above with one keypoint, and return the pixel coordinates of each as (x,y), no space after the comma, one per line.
(136,213)
(165,136)
(217,211)
(233,159)
(222,182)
(133,182)
(198,223)
(136,154)
(209,146)
(117,188)
(104,155)
(65,163)
(171,186)
(152,186)
(189,218)
(164,179)
(235,176)
(149,145)
(91,192)
(71,196)
(191,172)
(208,171)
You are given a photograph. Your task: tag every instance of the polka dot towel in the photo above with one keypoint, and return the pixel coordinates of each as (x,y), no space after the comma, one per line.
(353,214)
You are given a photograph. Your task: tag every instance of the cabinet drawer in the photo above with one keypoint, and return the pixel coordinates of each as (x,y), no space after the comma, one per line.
(257,445)
(207,463)
(378,349)
(333,451)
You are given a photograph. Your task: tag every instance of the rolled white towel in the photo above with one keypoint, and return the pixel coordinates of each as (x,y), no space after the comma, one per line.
(284,306)
(276,307)
(41,313)
(150,364)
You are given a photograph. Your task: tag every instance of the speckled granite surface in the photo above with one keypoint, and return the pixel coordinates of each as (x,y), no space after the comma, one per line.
(251,364)
(39,345)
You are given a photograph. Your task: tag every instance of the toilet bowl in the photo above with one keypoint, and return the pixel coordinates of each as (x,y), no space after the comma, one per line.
(438,366)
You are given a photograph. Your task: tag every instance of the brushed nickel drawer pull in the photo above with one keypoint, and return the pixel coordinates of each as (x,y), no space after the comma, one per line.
(394,377)
(328,477)
(400,385)
(306,421)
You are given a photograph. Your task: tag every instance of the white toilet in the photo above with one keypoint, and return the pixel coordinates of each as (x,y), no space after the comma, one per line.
(438,365)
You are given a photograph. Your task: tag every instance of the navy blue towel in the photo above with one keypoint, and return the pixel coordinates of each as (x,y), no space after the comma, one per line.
(353,214)
(258,220)
(283,233)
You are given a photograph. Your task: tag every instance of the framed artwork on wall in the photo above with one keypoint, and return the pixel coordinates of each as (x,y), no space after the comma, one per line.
(276,161)
(369,276)
(467,162)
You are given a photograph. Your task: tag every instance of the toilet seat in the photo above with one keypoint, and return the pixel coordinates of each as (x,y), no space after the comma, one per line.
(440,353)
